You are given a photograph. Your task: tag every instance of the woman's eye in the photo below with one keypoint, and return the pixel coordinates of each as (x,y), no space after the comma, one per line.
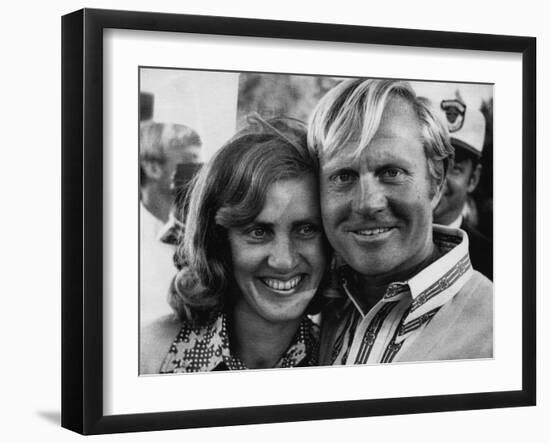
(308,230)
(257,233)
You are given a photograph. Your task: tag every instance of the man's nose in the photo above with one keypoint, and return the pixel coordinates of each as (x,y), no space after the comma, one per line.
(370,197)
(283,255)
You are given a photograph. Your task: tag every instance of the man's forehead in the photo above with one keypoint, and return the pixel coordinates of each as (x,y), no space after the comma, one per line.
(344,153)
(383,149)
(181,145)
(189,148)
(184,154)
(398,129)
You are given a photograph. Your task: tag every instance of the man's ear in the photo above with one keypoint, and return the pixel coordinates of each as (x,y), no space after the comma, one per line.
(474,178)
(152,169)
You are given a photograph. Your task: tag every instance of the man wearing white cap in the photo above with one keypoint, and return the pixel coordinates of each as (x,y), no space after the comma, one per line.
(466,126)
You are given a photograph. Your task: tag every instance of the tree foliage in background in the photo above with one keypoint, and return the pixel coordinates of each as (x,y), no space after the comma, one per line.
(272,95)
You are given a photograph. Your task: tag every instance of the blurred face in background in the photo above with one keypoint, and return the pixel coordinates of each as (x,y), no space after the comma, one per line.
(462,179)
(280,257)
(174,156)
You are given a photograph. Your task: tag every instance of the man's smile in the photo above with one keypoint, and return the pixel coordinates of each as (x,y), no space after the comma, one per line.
(371,232)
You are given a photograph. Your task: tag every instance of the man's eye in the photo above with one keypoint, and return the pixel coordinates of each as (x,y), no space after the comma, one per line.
(342,178)
(392,173)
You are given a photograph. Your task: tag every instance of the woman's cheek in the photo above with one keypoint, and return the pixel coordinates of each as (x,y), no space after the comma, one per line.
(248,257)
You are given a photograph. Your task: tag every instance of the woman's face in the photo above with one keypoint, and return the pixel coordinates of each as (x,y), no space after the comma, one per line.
(279,258)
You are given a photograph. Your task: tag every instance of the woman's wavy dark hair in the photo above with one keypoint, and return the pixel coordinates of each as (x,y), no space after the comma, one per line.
(230,191)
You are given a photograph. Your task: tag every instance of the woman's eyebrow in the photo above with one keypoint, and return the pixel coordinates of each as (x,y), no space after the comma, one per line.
(313,220)
(261,224)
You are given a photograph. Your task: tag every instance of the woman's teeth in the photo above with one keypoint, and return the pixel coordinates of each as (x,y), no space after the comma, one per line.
(281,285)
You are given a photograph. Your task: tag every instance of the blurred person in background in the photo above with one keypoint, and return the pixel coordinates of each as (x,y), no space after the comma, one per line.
(181,181)
(457,207)
(163,146)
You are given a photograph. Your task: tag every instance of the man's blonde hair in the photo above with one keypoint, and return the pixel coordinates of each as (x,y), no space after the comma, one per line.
(353,110)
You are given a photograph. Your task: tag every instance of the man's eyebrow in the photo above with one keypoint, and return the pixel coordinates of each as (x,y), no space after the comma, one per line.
(338,161)
(390,157)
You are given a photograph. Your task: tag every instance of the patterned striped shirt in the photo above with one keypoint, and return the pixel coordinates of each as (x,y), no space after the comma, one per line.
(355,336)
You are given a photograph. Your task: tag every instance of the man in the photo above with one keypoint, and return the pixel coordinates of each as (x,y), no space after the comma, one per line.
(466,126)
(162,148)
(410,292)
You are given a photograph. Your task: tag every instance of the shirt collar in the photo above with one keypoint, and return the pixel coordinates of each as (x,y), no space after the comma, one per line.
(430,288)
(207,348)
(172,231)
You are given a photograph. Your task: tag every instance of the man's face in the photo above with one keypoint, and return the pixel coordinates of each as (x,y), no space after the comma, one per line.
(461,180)
(174,156)
(377,208)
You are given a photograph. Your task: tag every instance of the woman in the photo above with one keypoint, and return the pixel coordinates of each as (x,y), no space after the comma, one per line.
(254,254)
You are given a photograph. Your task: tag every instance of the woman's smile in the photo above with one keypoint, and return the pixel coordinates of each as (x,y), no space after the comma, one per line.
(286,286)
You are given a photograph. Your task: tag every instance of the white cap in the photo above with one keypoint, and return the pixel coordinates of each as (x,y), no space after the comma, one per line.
(457,111)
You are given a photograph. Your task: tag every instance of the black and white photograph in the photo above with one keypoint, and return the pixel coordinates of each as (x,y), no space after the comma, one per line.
(265,222)
(293,221)
(303,220)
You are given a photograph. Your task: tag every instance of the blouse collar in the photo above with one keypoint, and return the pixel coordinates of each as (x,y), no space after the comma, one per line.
(207,348)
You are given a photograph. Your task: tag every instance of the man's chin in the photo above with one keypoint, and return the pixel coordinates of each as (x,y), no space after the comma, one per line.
(444,218)
(445,214)
(369,267)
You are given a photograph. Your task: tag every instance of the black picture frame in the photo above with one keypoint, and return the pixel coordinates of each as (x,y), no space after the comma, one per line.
(82,218)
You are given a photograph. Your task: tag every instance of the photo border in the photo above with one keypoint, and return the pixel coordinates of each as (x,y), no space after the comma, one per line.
(82,220)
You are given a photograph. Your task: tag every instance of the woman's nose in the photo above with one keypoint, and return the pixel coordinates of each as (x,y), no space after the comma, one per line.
(282,256)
